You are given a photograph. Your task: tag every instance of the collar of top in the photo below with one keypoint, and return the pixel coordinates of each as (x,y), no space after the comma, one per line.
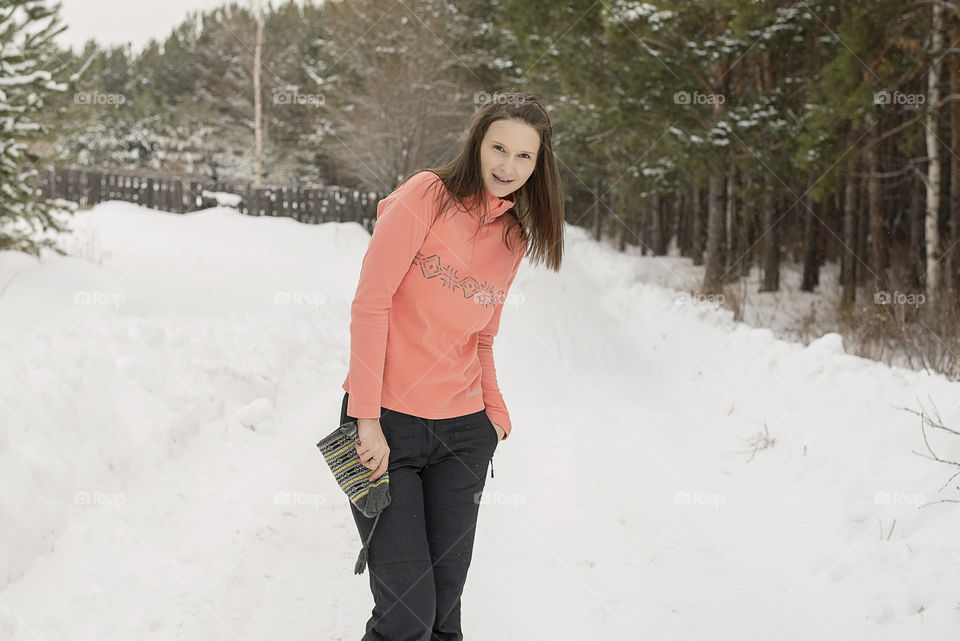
(495,205)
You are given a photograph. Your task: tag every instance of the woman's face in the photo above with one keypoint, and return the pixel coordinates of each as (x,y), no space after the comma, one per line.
(509,152)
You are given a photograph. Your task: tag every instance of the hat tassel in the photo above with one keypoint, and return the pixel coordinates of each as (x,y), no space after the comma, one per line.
(362,558)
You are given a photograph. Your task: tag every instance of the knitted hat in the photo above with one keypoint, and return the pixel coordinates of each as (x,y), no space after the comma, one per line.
(371,498)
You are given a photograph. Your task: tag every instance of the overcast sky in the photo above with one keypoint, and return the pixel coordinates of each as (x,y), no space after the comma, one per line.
(133,21)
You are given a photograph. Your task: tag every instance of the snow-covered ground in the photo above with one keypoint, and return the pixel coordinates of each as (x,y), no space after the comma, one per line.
(790,312)
(671,474)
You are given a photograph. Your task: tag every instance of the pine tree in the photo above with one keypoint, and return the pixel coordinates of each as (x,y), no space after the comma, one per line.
(867,49)
(29,71)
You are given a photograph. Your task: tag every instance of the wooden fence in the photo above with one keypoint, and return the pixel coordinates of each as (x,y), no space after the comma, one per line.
(167,193)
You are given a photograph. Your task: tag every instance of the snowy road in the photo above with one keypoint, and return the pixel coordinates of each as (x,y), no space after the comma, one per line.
(163,391)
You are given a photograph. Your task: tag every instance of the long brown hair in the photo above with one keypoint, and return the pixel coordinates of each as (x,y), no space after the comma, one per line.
(538,211)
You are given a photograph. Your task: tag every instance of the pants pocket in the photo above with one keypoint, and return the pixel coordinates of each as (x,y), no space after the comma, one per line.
(493,430)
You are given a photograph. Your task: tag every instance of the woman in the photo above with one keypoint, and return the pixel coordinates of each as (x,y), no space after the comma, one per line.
(421,385)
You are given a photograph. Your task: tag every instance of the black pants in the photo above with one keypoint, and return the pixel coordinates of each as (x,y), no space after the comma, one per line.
(421,548)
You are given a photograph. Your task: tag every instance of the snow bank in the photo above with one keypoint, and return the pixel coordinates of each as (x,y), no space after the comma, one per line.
(670,470)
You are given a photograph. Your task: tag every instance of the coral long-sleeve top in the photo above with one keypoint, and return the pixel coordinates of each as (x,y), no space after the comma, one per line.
(428,306)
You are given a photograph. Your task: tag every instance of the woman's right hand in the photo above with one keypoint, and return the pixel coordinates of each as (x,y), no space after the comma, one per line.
(373,449)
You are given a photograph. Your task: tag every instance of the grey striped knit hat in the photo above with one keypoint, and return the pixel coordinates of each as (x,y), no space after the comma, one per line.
(371,498)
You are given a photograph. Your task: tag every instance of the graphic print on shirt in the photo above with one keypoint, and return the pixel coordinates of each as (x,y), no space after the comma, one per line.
(483,293)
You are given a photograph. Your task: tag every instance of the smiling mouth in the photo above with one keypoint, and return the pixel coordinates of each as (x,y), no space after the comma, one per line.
(500,180)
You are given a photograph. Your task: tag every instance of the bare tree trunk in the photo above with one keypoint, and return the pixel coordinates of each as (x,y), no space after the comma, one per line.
(257,107)
(934,267)
(811,244)
(596,210)
(716,246)
(656,226)
(865,255)
(696,228)
(729,215)
(653,215)
(771,239)
(683,220)
(748,235)
(626,226)
(715,235)
(953,257)
(771,228)
(878,236)
(678,221)
(848,261)
(625,216)
(915,254)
